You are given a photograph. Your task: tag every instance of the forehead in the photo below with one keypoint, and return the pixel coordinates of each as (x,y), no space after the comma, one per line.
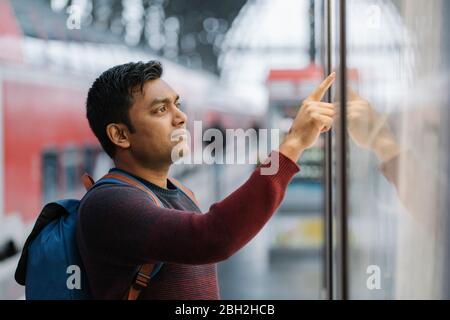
(156,89)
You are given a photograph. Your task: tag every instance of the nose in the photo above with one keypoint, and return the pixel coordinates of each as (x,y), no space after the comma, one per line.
(180,118)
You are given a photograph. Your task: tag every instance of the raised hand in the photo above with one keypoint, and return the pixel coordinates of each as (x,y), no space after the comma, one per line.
(313,118)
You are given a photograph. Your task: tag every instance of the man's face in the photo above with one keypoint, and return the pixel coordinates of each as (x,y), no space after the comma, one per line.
(156,116)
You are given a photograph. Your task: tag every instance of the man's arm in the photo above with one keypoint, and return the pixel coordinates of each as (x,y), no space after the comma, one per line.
(122,224)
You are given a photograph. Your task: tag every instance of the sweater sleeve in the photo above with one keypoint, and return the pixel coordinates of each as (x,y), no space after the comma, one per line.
(120,224)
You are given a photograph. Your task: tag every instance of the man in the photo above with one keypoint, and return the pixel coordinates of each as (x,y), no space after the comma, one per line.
(134,113)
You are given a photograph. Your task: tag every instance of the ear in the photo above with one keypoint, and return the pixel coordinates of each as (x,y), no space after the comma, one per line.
(119,135)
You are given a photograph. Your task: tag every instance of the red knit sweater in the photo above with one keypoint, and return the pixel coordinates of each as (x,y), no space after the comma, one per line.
(119,228)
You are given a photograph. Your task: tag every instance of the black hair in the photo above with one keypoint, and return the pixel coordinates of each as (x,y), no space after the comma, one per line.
(111,96)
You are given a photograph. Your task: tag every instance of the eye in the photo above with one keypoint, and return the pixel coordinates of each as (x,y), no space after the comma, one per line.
(162,109)
(178,104)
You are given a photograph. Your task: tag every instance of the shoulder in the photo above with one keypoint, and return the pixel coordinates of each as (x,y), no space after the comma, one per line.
(107,213)
(112,192)
(111,200)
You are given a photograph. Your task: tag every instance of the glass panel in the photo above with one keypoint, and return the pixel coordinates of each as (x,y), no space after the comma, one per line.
(288,254)
(398,156)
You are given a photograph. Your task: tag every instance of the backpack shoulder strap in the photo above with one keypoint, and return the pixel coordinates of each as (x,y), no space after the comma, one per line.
(87,180)
(185,190)
(114,177)
(145,273)
(131,181)
(148,270)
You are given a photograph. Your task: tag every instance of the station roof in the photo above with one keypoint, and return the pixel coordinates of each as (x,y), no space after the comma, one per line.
(38,20)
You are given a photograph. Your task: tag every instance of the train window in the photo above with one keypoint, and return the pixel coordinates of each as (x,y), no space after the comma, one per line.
(50,176)
(102,165)
(72,168)
(88,159)
(90,156)
(62,170)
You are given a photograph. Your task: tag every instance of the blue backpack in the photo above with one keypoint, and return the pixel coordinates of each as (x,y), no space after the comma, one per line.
(50,266)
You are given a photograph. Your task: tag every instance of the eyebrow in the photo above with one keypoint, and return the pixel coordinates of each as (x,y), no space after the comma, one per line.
(162,100)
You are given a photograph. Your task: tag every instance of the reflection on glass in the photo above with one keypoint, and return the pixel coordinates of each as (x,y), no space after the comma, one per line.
(397,121)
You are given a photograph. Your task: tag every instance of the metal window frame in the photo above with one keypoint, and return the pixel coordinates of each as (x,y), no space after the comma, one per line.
(341,163)
(336,287)
(328,161)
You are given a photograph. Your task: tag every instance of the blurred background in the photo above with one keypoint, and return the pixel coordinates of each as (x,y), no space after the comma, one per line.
(367,215)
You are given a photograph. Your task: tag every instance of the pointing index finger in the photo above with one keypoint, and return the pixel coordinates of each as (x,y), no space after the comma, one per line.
(320,91)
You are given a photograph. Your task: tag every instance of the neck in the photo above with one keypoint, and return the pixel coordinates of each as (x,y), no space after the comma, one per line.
(155,175)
